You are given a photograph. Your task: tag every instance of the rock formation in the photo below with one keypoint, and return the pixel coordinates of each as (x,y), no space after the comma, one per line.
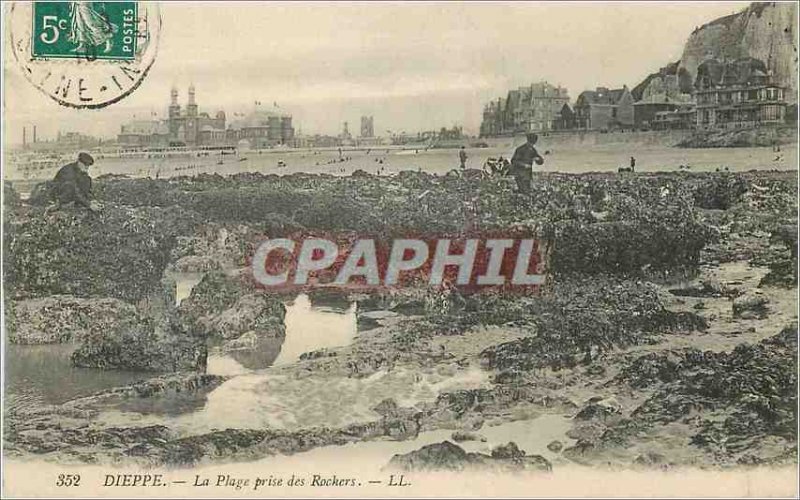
(766,31)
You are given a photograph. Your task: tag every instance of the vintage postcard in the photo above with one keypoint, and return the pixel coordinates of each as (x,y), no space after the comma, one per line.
(399,249)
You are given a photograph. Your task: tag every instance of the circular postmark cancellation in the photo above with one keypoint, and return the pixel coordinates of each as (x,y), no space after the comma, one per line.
(85,54)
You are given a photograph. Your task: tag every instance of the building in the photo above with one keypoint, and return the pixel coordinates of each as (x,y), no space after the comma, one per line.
(737,94)
(526,109)
(646,109)
(367,127)
(144,133)
(604,109)
(64,142)
(188,127)
(262,128)
(566,119)
(680,118)
(492,124)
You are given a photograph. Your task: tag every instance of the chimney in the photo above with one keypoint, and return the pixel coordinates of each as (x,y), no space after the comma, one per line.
(34,134)
(24,137)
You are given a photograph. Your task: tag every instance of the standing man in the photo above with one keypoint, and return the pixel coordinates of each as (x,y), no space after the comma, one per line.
(73,185)
(462,156)
(522,163)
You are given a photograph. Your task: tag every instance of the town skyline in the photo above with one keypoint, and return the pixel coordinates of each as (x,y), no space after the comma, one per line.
(412,67)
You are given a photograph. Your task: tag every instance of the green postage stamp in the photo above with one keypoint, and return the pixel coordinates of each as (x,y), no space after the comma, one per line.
(84,54)
(72,30)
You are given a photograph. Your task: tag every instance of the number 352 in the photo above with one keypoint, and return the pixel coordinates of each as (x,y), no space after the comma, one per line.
(68,480)
(51,29)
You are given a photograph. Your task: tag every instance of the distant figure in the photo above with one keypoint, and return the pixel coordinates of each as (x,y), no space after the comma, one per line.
(72,185)
(462,156)
(522,163)
(632,168)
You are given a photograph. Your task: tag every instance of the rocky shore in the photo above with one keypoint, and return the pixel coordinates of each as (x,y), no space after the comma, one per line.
(668,333)
(742,138)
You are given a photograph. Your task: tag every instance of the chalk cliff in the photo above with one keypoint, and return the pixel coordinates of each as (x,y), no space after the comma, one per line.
(765,30)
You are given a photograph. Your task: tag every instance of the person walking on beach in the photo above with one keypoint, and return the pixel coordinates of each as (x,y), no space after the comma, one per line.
(522,163)
(73,186)
(462,156)
(633,163)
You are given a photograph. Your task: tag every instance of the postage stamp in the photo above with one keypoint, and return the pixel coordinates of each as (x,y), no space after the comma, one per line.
(88,30)
(85,54)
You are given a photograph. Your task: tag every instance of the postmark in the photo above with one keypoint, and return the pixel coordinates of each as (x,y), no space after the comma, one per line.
(85,54)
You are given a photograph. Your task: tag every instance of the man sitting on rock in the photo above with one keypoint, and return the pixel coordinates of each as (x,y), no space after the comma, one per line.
(72,186)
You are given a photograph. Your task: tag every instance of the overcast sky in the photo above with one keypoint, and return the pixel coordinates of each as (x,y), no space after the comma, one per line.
(413,66)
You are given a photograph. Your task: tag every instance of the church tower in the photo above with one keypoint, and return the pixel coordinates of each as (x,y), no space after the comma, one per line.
(174,114)
(192,121)
(191,106)
(174,107)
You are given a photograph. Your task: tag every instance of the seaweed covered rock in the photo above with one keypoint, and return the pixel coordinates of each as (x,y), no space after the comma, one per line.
(11,198)
(118,252)
(142,346)
(582,320)
(720,191)
(706,289)
(636,239)
(783,266)
(750,306)
(451,457)
(63,318)
(738,405)
(651,369)
(214,246)
(225,307)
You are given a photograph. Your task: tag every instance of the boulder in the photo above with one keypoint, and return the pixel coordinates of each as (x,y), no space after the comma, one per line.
(225,307)
(555,446)
(64,318)
(461,436)
(706,289)
(142,346)
(508,450)
(118,252)
(601,409)
(446,456)
(750,306)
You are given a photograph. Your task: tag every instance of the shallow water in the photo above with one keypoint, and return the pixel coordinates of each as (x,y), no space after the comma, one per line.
(532,436)
(37,374)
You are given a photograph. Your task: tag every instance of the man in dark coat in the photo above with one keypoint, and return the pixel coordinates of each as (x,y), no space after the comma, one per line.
(462,157)
(522,163)
(73,185)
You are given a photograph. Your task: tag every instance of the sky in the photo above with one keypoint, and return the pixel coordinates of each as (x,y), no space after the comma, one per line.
(413,66)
